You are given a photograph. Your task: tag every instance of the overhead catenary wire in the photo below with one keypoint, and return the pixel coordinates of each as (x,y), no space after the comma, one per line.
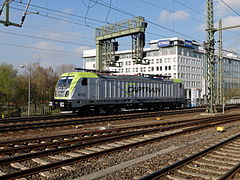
(108,6)
(116,9)
(88,8)
(43,38)
(63,12)
(76,23)
(155,24)
(56,18)
(230,7)
(179,13)
(60,33)
(184,5)
(43,49)
(71,22)
(109,11)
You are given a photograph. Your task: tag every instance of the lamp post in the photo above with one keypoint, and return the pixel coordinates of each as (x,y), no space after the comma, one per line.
(29,86)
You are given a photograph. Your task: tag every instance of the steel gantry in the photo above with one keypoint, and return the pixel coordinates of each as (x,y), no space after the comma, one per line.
(220,91)
(211,68)
(6,6)
(106,44)
(209,47)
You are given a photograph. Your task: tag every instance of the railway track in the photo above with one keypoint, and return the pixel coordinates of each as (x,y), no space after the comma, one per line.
(22,124)
(62,157)
(76,121)
(220,161)
(68,139)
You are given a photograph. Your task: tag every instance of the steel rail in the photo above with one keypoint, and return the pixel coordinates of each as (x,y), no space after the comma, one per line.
(64,142)
(40,118)
(102,131)
(182,162)
(74,122)
(35,170)
(229,174)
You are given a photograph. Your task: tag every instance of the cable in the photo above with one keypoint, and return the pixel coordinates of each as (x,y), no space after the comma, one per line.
(51,17)
(116,9)
(62,12)
(190,8)
(88,5)
(61,33)
(230,7)
(109,11)
(37,37)
(76,15)
(88,8)
(163,27)
(43,49)
(179,13)
(157,35)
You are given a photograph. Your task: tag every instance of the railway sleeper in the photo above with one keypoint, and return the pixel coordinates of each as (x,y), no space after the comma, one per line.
(229,150)
(214,161)
(227,156)
(204,169)
(196,175)
(174,177)
(73,154)
(204,163)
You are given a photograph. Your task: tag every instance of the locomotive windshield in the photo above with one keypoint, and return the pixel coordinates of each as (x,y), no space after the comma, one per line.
(65,81)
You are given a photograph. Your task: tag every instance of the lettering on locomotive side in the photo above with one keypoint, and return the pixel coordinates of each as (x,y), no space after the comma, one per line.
(132,89)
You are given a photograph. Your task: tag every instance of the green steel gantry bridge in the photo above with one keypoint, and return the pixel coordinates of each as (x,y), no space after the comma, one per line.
(106,44)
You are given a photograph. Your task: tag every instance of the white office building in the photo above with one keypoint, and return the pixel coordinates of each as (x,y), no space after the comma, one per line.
(175,57)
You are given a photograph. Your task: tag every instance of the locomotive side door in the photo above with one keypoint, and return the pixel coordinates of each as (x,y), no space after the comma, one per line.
(92,88)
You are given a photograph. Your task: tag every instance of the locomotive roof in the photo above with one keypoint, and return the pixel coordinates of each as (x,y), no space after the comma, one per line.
(111,76)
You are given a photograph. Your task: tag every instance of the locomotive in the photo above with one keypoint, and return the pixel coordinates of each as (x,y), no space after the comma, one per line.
(87,92)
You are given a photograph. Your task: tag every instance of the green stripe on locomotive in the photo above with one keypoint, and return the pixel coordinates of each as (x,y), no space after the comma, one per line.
(76,76)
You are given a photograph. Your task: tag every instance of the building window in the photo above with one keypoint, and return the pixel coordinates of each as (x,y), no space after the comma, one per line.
(166,68)
(160,68)
(169,67)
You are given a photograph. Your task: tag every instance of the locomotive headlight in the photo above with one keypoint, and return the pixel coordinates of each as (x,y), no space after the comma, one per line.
(66,93)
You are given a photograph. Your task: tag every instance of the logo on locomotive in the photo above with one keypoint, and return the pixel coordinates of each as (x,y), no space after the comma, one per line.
(131,88)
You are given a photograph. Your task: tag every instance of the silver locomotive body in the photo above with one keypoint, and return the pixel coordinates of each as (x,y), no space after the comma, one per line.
(110,93)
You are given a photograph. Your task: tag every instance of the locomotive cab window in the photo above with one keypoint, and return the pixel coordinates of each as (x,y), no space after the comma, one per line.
(64,81)
(84,82)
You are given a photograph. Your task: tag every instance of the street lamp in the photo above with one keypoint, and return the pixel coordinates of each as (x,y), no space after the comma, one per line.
(29,86)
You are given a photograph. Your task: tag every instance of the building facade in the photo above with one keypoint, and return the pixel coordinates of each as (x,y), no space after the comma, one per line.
(175,57)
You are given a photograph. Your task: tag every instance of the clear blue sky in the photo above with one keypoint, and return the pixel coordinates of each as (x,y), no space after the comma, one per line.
(68,30)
